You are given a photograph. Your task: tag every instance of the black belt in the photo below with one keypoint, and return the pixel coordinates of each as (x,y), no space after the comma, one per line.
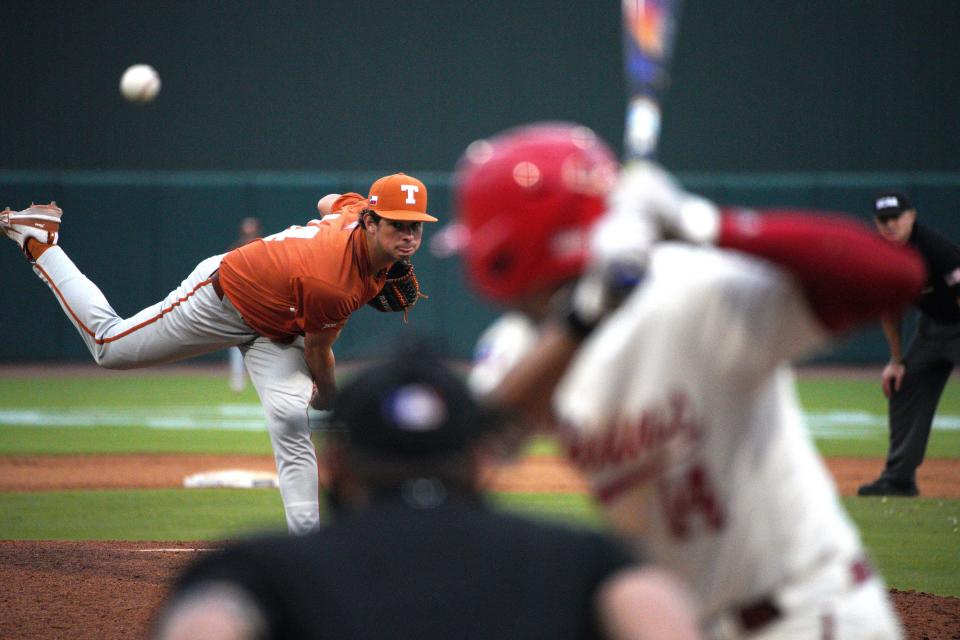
(758,615)
(762,612)
(215,281)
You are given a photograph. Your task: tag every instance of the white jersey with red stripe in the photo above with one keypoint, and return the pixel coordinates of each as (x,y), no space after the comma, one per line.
(682,412)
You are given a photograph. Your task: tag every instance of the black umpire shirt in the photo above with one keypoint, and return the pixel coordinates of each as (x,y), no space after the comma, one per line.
(453,570)
(938,300)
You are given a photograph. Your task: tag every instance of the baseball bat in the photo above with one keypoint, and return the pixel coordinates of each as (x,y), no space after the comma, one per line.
(649,29)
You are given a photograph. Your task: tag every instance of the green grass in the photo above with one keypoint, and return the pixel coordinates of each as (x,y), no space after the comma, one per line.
(152,395)
(577,509)
(120,389)
(119,439)
(164,394)
(166,514)
(823,394)
(201,514)
(915,542)
(837,394)
(942,444)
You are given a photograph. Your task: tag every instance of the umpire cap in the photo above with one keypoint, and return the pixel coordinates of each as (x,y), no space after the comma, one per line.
(891,204)
(410,406)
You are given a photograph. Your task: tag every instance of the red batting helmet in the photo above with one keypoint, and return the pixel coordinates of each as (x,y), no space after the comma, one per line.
(526,200)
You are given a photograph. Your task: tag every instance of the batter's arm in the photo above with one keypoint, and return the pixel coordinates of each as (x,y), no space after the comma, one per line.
(318,352)
(528,387)
(848,273)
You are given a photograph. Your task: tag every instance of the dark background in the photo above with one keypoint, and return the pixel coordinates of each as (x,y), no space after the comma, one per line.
(821,85)
(267,106)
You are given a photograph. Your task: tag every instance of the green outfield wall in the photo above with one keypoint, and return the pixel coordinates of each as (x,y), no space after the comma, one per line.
(334,85)
(267,105)
(138,234)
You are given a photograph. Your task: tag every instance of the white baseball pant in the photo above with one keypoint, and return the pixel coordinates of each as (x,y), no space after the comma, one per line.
(827,603)
(192,320)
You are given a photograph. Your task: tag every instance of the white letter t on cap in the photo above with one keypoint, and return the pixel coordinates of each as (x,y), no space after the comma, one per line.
(410,189)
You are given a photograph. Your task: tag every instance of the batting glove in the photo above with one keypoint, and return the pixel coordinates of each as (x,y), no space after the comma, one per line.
(646,192)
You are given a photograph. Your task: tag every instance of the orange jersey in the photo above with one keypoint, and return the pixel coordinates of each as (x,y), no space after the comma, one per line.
(304,279)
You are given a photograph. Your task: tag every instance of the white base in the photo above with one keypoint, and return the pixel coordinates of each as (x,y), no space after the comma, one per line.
(231,478)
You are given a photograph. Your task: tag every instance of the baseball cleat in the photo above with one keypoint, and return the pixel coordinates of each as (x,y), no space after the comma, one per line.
(40,222)
(887,487)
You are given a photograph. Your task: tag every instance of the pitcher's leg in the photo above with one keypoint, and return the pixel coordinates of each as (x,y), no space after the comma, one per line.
(279,374)
(191,320)
(81,300)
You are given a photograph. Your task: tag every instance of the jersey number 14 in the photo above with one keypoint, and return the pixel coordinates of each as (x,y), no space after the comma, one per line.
(688,496)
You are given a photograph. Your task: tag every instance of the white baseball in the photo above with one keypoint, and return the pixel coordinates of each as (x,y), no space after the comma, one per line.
(140,84)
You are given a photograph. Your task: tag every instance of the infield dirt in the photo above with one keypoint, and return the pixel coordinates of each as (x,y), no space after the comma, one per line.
(111,590)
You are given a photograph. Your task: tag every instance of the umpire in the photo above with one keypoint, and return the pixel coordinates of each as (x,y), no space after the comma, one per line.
(413,551)
(914,382)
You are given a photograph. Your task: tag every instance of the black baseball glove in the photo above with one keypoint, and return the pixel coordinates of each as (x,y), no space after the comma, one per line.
(401,291)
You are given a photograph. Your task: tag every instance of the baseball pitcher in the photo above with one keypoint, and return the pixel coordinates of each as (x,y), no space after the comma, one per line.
(282,299)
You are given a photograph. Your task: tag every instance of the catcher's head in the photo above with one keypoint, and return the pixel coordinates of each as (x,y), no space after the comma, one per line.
(407,423)
(526,200)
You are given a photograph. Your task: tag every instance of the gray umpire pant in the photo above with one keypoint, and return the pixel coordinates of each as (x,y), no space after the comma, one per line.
(931,356)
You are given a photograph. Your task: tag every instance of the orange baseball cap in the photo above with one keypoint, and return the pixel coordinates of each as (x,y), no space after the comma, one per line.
(400,197)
